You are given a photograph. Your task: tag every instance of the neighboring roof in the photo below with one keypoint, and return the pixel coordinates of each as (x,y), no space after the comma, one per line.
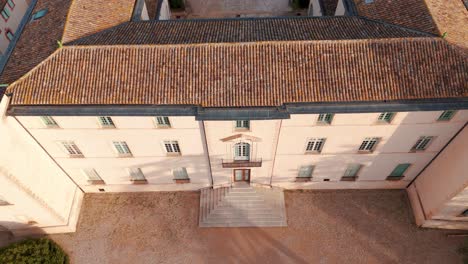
(329,7)
(247,74)
(2,92)
(2,5)
(151,7)
(407,13)
(38,40)
(246,30)
(88,17)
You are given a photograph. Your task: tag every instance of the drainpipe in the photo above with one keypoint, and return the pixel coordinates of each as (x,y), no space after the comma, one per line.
(276,148)
(205,146)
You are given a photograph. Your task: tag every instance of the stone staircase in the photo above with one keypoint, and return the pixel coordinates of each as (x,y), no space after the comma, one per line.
(242,206)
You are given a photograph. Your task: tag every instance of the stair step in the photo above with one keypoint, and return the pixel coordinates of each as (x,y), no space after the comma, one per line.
(247,224)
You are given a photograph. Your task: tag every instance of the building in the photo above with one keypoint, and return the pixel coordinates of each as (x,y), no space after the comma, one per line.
(12,13)
(361,100)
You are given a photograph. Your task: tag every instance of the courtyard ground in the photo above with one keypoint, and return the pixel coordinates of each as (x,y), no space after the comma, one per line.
(363,226)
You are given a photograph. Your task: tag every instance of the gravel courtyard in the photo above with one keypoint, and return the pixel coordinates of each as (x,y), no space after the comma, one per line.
(324,227)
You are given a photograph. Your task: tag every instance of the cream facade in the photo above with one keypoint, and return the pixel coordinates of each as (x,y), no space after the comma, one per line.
(11,17)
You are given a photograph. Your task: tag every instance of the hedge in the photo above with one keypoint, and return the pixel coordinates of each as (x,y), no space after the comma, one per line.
(40,250)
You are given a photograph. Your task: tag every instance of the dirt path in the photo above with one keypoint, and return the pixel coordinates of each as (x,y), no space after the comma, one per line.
(324,227)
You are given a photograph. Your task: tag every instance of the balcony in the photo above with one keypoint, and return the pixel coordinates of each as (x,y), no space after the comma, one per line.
(230,163)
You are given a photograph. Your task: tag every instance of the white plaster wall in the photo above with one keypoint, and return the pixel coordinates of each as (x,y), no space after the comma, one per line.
(340,9)
(12,23)
(144,140)
(165,12)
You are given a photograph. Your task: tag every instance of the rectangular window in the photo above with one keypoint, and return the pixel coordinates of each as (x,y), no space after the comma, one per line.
(386,117)
(315,145)
(352,170)
(92,176)
(243,124)
(180,173)
(422,143)
(106,122)
(399,170)
(136,175)
(49,121)
(369,144)
(305,172)
(163,121)
(122,148)
(9,35)
(325,118)
(5,13)
(11,4)
(72,149)
(172,147)
(446,115)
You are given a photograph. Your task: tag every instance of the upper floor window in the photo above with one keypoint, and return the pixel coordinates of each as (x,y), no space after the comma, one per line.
(172,147)
(386,117)
(242,125)
(422,143)
(352,171)
(369,144)
(315,145)
(242,151)
(72,149)
(5,13)
(9,35)
(326,118)
(163,121)
(180,173)
(399,171)
(122,148)
(11,4)
(446,115)
(106,122)
(305,171)
(49,121)
(92,176)
(136,175)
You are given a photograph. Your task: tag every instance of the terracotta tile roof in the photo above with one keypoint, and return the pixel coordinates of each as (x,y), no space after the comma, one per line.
(329,7)
(247,74)
(38,40)
(2,5)
(246,30)
(408,13)
(87,17)
(151,7)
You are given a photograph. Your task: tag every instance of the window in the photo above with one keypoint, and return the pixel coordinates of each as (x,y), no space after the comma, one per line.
(368,1)
(39,14)
(92,176)
(369,144)
(163,121)
(136,175)
(122,148)
(463,214)
(172,147)
(325,118)
(385,117)
(305,172)
(180,174)
(422,143)
(49,121)
(352,170)
(11,4)
(9,35)
(446,115)
(242,151)
(106,122)
(72,149)
(5,14)
(399,171)
(315,145)
(242,124)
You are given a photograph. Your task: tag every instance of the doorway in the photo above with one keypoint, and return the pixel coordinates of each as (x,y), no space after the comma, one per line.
(241,175)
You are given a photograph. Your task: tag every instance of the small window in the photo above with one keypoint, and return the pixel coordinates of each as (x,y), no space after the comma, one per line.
(5,14)
(163,121)
(242,151)
(368,144)
(136,174)
(180,174)
(315,145)
(39,14)
(122,148)
(368,1)
(399,170)
(446,115)
(352,170)
(72,149)
(106,122)
(305,172)
(92,176)
(9,35)
(11,4)
(386,117)
(172,147)
(325,118)
(242,125)
(422,143)
(49,121)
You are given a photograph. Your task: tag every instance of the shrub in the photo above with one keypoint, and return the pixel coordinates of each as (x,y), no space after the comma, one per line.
(40,250)
(176,4)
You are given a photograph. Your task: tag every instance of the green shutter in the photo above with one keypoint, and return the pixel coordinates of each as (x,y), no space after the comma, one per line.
(400,170)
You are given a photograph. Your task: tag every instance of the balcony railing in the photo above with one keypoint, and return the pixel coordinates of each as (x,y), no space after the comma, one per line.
(230,163)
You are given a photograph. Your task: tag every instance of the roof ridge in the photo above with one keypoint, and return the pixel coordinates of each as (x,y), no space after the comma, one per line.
(397,26)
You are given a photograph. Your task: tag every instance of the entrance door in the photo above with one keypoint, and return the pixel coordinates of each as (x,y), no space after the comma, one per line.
(242,175)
